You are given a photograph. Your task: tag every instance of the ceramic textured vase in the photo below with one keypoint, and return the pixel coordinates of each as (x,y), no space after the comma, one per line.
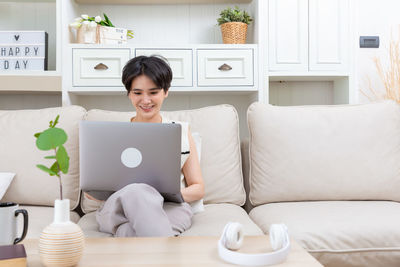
(61,243)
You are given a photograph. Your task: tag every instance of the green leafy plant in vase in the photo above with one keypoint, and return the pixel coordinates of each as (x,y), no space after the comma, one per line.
(54,139)
(61,243)
(234,24)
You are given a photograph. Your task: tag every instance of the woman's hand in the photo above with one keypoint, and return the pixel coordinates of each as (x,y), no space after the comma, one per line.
(92,198)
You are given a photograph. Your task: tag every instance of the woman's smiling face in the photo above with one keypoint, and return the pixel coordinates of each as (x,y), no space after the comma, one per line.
(147,98)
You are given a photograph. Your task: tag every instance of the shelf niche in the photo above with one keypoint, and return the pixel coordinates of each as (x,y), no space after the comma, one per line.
(159,2)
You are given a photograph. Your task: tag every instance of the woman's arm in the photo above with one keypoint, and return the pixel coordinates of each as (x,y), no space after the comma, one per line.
(192,173)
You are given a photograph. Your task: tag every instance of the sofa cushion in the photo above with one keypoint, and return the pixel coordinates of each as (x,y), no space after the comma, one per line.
(218,127)
(213,219)
(39,218)
(5,181)
(339,233)
(209,222)
(90,227)
(19,154)
(349,152)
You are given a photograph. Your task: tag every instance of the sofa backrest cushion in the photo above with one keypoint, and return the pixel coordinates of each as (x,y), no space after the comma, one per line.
(220,163)
(349,152)
(19,154)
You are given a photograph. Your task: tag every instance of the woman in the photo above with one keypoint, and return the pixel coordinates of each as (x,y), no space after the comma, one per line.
(138,209)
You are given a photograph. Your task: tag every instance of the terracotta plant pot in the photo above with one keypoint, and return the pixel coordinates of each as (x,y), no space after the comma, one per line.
(234,32)
(61,243)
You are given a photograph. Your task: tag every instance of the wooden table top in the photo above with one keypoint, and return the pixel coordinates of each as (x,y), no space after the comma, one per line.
(167,251)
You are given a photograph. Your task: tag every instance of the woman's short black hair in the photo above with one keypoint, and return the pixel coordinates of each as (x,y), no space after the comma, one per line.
(155,68)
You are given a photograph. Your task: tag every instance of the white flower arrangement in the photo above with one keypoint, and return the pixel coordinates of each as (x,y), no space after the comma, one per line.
(92,22)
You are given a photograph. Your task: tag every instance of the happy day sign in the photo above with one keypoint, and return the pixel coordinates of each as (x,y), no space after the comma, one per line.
(23,50)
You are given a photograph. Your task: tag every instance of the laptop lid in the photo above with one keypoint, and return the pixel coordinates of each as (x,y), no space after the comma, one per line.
(115,154)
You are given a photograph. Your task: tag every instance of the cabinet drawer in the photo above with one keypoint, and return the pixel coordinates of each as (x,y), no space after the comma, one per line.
(98,67)
(180,61)
(225,67)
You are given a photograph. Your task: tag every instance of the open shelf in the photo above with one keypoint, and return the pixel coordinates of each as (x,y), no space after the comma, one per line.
(306,76)
(30,81)
(176,90)
(159,2)
(28,1)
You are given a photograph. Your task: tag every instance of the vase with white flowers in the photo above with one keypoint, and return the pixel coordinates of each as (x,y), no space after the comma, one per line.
(92,30)
(60,243)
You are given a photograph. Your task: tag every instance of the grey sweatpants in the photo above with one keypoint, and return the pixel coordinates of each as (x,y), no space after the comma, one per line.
(140,210)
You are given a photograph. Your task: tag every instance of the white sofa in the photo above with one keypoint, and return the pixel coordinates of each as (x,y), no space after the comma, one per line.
(220,163)
(36,190)
(332,175)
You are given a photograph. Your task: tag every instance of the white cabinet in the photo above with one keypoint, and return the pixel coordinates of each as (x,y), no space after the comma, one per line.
(225,67)
(328,35)
(288,38)
(98,67)
(308,35)
(196,68)
(180,61)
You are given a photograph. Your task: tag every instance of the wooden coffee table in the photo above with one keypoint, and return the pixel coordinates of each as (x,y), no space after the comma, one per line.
(172,251)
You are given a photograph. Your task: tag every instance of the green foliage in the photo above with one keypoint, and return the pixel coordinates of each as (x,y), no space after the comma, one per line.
(45,169)
(62,159)
(51,139)
(234,15)
(130,34)
(107,21)
(54,138)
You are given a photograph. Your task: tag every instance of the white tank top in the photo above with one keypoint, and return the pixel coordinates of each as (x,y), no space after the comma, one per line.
(185,146)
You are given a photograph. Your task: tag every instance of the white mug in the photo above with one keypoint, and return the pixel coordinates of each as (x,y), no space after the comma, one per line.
(8,223)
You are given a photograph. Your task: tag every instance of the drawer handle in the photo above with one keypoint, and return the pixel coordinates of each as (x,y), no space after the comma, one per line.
(225,67)
(101,66)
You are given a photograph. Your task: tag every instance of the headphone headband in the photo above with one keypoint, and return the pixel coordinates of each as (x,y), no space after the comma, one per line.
(232,239)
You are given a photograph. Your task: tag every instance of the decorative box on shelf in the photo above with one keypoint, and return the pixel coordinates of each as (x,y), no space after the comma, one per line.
(112,35)
(23,50)
(101,35)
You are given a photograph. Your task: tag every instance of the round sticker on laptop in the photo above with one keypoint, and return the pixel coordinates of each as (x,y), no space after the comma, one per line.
(131,157)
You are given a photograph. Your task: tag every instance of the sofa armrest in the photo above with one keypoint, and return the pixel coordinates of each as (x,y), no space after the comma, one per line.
(244,150)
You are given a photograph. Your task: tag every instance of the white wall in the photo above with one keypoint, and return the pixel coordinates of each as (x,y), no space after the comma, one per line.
(26,100)
(288,93)
(380,18)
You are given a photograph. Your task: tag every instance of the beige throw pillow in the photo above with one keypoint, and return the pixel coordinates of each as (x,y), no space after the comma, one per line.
(349,152)
(20,155)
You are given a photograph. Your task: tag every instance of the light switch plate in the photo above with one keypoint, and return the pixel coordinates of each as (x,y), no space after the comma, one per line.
(369,41)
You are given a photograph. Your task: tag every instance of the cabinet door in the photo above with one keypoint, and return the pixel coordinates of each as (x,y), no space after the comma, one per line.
(98,67)
(180,61)
(328,35)
(288,34)
(225,67)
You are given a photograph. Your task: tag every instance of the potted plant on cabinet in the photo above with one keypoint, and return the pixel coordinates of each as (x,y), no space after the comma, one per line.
(233,24)
(61,243)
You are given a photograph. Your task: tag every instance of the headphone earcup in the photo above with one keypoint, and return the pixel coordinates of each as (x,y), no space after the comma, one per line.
(232,239)
(233,236)
(277,236)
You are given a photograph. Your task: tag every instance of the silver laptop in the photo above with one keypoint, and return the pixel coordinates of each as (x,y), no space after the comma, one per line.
(115,154)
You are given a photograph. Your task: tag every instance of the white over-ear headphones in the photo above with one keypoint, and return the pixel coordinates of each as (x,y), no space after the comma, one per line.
(232,239)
